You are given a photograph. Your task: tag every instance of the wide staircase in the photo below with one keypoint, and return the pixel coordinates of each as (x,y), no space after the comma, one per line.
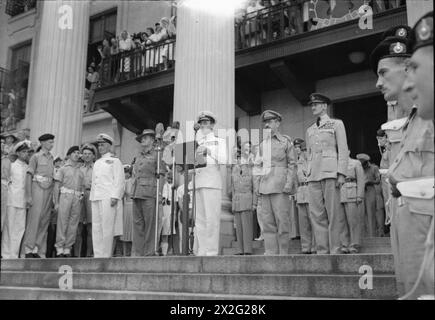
(230,277)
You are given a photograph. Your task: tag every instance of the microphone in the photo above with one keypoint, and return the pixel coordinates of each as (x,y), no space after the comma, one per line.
(196,127)
(160,129)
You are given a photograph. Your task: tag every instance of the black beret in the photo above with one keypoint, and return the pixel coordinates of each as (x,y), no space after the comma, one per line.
(57,159)
(380,133)
(298,141)
(397,31)
(389,48)
(422,33)
(72,149)
(320,98)
(45,137)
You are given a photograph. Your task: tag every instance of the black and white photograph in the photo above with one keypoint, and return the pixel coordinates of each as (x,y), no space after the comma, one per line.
(217,154)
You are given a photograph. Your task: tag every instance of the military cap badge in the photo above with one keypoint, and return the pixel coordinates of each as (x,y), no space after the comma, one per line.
(401,32)
(397,48)
(423,31)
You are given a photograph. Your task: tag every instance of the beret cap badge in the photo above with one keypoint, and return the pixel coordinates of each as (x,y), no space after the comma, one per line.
(401,32)
(424,30)
(397,48)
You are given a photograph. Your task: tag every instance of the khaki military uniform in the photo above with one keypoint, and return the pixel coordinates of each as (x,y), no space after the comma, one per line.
(349,193)
(243,200)
(415,159)
(305,223)
(41,168)
(395,132)
(374,224)
(86,214)
(144,203)
(327,157)
(71,183)
(279,172)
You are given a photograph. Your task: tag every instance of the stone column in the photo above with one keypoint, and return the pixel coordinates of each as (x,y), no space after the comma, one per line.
(204,76)
(57,86)
(416,9)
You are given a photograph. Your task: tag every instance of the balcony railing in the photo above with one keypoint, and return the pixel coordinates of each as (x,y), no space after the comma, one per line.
(281,21)
(138,63)
(295,17)
(16,7)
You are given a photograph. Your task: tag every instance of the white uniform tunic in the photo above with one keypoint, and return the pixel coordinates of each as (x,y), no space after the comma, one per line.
(107,182)
(15,219)
(208,196)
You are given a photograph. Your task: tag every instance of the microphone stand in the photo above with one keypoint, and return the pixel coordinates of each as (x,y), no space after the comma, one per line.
(192,235)
(158,149)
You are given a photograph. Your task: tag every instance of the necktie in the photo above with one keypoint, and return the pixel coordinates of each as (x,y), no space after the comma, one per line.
(318,122)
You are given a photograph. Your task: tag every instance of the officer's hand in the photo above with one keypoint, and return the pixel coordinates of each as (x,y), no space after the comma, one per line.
(340,180)
(287,189)
(56,207)
(359,200)
(113,202)
(29,202)
(395,192)
(254,207)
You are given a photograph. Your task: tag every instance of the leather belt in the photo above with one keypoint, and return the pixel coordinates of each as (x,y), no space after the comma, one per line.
(303,184)
(70,191)
(350,180)
(39,178)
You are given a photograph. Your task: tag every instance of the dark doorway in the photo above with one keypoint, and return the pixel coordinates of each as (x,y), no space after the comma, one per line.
(362,118)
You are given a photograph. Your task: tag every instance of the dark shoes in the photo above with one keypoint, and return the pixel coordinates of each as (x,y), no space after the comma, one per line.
(32,255)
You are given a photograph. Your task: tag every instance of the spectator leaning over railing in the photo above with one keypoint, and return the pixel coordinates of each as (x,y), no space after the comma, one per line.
(94,78)
(126,44)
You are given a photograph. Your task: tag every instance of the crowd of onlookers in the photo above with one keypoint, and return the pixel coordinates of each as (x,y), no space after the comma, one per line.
(153,49)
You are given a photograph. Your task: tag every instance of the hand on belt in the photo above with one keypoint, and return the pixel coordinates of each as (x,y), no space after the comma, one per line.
(70,191)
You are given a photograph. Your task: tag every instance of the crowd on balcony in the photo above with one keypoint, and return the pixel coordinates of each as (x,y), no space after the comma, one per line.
(130,56)
(262,21)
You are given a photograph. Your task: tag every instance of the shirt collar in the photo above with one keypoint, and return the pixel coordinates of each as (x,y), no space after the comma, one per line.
(70,163)
(106,155)
(279,136)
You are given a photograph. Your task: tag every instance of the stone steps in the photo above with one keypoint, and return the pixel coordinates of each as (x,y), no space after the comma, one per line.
(369,245)
(291,264)
(29,293)
(222,277)
(298,285)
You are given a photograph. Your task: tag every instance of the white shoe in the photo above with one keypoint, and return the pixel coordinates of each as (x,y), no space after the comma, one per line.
(260,238)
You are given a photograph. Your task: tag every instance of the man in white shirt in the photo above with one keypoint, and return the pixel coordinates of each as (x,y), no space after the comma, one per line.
(106,195)
(208,184)
(15,218)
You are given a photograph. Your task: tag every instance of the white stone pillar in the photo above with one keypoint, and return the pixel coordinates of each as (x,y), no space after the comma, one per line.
(57,85)
(416,9)
(204,75)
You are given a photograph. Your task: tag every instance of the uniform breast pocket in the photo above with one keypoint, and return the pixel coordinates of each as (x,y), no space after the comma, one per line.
(278,152)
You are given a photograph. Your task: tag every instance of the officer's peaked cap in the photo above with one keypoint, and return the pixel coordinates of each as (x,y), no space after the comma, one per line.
(270,114)
(102,137)
(149,132)
(206,115)
(318,98)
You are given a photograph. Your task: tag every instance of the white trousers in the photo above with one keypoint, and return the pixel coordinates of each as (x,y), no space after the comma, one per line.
(14,226)
(207,223)
(103,227)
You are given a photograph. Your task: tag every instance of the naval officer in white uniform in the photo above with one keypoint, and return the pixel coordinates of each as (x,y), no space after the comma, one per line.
(106,195)
(208,183)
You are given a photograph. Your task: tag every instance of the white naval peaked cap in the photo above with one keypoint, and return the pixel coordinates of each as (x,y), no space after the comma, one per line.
(21,146)
(102,137)
(206,115)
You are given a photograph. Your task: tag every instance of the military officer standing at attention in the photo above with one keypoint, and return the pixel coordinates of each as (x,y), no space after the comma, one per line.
(144,191)
(243,198)
(328,156)
(388,61)
(89,153)
(375,223)
(352,197)
(15,218)
(278,159)
(5,175)
(413,169)
(68,195)
(305,224)
(106,195)
(208,185)
(39,193)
